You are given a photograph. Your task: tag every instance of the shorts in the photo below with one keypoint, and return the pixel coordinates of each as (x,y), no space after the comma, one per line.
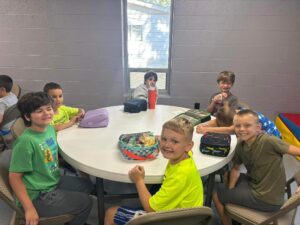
(124,214)
(242,195)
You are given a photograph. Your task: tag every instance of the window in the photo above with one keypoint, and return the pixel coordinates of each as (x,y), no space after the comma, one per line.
(135,33)
(147,35)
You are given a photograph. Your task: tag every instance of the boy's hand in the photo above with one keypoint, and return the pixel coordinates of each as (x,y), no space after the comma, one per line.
(137,173)
(201,129)
(81,114)
(224,95)
(31,216)
(218,98)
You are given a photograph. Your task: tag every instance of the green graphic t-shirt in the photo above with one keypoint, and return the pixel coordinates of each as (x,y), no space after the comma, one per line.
(35,154)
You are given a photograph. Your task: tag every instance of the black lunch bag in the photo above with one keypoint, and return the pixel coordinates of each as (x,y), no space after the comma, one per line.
(135,105)
(215,144)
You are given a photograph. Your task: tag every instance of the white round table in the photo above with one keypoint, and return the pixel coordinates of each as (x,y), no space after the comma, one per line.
(95,150)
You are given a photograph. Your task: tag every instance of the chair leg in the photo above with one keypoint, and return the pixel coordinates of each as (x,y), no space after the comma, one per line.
(234,222)
(221,178)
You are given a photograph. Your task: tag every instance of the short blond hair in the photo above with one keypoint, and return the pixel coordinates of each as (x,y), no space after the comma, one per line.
(180,125)
(250,112)
(226,76)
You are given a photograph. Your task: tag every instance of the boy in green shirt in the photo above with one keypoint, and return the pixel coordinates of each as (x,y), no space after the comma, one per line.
(34,171)
(64,116)
(182,186)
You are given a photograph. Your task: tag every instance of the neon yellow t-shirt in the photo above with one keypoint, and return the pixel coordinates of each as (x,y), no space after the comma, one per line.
(64,114)
(181,188)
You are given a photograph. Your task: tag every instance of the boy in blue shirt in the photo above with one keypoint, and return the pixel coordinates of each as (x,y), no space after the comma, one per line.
(34,171)
(181,186)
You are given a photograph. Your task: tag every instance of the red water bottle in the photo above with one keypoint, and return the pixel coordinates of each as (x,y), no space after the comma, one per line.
(152,94)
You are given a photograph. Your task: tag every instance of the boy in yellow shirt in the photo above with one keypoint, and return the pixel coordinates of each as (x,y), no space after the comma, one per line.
(181,187)
(64,116)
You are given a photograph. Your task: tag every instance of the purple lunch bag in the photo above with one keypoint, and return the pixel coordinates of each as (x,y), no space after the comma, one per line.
(95,118)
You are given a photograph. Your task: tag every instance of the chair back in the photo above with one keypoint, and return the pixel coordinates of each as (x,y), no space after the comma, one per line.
(6,193)
(284,216)
(17,128)
(10,114)
(190,216)
(297,177)
(290,206)
(16,89)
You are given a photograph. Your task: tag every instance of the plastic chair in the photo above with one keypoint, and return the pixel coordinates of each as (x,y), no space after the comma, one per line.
(12,113)
(284,216)
(16,89)
(17,128)
(190,216)
(296,178)
(6,195)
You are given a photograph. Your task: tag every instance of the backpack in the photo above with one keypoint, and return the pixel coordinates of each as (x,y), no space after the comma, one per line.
(135,105)
(215,144)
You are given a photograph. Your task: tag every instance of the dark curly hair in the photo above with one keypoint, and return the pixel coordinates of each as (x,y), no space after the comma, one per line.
(31,102)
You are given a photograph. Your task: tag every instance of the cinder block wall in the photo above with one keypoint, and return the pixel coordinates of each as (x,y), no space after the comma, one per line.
(78,43)
(257,39)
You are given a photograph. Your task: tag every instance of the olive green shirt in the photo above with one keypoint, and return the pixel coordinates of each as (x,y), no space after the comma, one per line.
(263,161)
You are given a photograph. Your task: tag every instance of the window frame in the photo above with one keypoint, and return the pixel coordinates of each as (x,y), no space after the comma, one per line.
(128,70)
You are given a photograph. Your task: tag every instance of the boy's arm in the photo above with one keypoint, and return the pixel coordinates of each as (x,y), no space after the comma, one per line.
(137,175)
(214,100)
(1,118)
(210,107)
(234,176)
(63,126)
(224,130)
(293,150)
(2,110)
(210,123)
(144,195)
(31,215)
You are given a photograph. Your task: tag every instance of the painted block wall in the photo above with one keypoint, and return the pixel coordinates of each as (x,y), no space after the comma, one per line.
(258,40)
(78,43)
